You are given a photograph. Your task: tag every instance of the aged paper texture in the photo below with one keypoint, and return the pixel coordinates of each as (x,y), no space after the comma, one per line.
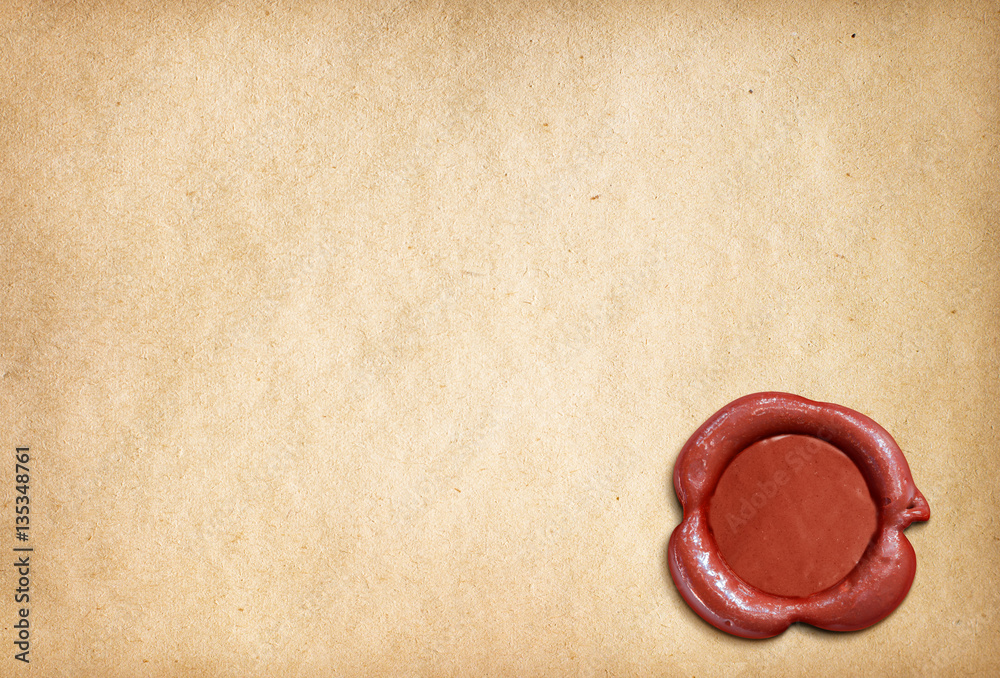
(356,338)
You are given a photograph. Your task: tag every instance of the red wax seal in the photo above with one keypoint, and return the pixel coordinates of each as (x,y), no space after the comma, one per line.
(793,512)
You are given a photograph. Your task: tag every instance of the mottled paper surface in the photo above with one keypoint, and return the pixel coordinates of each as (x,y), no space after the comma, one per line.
(360,338)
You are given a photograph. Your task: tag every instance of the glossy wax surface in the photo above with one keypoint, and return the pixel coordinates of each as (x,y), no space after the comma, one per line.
(792,515)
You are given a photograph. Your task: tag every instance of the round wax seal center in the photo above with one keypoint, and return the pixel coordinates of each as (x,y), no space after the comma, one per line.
(792,515)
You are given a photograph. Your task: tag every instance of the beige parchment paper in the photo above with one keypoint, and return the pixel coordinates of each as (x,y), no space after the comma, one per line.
(360,338)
